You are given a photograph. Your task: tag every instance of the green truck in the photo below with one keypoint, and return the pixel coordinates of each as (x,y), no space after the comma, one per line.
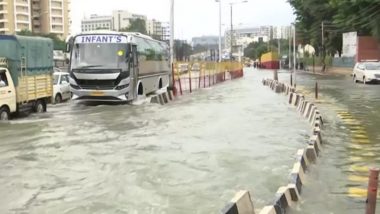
(26,74)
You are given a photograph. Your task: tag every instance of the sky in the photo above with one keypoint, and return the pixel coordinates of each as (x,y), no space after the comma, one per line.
(192,17)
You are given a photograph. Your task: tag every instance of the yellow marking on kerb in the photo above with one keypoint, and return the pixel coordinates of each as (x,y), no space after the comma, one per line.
(357,178)
(356,168)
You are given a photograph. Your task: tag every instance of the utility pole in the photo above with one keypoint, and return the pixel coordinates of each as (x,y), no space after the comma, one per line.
(231,37)
(220,30)
(172,32)
(323,47)
(295,54)
(290,48)
(279,53)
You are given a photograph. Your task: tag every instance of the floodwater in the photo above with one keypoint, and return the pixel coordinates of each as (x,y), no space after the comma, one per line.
(338,182)
(190,156)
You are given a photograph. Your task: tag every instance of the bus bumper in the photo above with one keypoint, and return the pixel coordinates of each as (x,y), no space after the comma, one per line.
(122,95)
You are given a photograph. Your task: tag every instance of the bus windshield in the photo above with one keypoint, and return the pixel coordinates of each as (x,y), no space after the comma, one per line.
(99,56)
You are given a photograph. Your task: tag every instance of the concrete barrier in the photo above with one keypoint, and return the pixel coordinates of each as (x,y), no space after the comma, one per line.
(283,200)
(268,210)
(240,204)
(286,196)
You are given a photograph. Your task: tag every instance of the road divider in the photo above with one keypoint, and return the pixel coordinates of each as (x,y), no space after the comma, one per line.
(287,196)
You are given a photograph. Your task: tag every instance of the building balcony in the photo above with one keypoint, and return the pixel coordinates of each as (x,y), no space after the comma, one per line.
(20,3)
(23,21)
(3,3)
(23,13)
(4,29)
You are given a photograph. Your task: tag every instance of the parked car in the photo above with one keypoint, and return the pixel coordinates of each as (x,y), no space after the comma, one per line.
(366,72)
(61,88)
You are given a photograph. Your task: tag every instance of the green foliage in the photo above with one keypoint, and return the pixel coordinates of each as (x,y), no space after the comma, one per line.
(256,49)
(58,43)
(182,50)
(136,25)
(338,17)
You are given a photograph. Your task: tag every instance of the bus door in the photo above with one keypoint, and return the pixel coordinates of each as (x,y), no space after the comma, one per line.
(134,69)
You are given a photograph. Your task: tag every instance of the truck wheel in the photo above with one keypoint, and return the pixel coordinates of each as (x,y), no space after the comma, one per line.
(40,106)
(4,114)
(58,99)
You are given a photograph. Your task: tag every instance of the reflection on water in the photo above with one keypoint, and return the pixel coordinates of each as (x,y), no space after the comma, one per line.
(190,156)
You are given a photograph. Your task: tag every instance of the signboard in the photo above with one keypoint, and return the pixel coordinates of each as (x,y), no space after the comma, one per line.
(97,39)
(350,44)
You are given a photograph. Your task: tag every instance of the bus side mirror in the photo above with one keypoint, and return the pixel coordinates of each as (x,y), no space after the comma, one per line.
(68,47)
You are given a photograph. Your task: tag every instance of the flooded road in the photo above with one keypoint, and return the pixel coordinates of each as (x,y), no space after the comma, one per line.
(190,156)
(352,116)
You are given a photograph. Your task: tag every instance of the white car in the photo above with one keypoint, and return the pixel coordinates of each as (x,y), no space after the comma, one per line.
(368,71)
(61,88)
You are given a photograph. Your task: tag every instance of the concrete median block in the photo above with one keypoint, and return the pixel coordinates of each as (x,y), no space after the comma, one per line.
(155,99)
(165,97)
(297,99)
(283,200)
(312,110)
(305,107)
(291,97)
(314,141)
(300,106)
(170,94)
(311,154)
(161,99)
(297,175)
(241,203)
(301,158)
(318,133)
(308,110)
(295,195)
(268,210)
(312,118)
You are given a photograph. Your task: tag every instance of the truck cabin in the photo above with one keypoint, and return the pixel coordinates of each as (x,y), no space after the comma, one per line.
(3,75)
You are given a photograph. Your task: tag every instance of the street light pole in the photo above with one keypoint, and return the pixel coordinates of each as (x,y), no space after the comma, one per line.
(294,57)
(172,32)
(231,36)
(220,30)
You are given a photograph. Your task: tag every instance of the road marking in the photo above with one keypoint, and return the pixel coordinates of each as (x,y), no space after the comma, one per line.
(356,168)
(357,192)
(358,178)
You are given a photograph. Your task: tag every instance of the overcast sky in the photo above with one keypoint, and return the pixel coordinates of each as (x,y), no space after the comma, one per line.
(192,17)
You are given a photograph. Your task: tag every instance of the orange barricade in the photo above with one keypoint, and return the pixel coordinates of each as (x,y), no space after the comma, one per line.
(190,76)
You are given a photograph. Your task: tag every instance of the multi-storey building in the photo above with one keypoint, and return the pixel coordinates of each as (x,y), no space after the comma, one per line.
(122,18)
(39,16)
(96,22)
(15,16)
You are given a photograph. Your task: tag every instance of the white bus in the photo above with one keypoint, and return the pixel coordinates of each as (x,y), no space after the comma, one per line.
(115,66)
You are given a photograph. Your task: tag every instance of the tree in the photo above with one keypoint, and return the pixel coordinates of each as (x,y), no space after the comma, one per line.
(255,50)
(182,50)
(337,17)
(59,44)
(136,25)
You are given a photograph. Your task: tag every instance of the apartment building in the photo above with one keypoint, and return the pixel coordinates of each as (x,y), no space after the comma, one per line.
(96,22)
(15,15)
(121,19)
(39,16)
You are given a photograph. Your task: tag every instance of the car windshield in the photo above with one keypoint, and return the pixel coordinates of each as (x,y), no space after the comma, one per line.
(98,55)
(56,79)
(372,67)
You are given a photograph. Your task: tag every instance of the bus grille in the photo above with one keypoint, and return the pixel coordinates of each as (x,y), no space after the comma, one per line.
(97,84)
